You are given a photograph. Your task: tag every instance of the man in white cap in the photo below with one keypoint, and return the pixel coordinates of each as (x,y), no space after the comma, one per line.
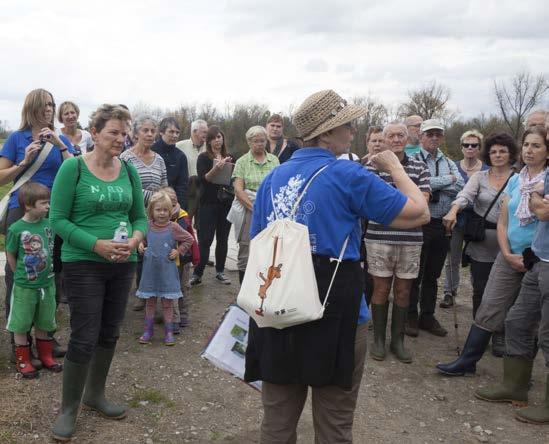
(320,354)
(445,183)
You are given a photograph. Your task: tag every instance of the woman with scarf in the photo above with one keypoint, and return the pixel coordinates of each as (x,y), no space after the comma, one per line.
(515,230)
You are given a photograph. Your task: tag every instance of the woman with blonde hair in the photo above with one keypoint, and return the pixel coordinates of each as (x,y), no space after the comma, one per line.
(21,150)
(68,115)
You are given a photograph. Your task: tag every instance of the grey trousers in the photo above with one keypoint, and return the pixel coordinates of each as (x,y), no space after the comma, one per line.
(499,295)
(530,315)
(453,262)
(333,408)
(244,242)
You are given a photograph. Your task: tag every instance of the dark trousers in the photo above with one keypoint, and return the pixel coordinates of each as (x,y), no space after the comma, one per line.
(433,254)
(480,271)
(213,222)
(97,294)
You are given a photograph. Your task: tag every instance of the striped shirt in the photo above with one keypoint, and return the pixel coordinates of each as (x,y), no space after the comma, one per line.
(383,234)
(152,176)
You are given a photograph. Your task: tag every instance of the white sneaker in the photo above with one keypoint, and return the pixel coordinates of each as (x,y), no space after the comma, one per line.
(222,279)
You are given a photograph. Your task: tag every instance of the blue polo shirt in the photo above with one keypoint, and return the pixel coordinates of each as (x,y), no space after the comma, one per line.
(337,199)
(14,150)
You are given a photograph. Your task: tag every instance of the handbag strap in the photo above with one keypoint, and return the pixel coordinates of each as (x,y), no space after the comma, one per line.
(29,172)
(497,196)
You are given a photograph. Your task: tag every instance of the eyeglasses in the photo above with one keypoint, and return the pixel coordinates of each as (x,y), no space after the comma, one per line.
(469,145)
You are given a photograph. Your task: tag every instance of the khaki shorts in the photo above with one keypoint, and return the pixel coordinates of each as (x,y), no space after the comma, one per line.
(386,260)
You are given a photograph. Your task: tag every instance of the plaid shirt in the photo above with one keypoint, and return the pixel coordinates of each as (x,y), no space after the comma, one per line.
(442,181)
(253,172)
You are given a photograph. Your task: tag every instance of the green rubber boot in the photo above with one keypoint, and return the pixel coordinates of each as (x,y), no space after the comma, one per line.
(74,376)
(94,393)
(379,317)
(516,377)
(536,415)
(397,334)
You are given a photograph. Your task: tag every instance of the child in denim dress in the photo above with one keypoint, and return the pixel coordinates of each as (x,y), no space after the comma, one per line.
(160,278)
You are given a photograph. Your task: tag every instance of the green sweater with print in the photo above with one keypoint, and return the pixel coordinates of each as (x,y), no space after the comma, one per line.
(32,243)
(85,209)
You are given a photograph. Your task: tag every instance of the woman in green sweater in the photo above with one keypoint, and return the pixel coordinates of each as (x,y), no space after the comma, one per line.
(92,196)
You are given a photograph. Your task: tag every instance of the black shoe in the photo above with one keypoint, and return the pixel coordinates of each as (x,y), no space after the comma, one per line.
(411,328)
(431,325)
(447,301)
(474,348)
(210,263)
(195,280)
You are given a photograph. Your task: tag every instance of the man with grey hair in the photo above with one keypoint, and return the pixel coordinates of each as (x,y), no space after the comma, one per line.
(192,147)
(412,125)
(445,183)
(394,253)
(535,118)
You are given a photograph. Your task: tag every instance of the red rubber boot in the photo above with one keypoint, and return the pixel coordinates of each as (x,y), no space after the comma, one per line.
(44,347)
(23,362)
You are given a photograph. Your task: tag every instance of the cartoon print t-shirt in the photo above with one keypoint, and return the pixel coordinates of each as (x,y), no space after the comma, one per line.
(33,244)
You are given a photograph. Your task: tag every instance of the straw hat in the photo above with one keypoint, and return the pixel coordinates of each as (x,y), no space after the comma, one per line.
(323,111)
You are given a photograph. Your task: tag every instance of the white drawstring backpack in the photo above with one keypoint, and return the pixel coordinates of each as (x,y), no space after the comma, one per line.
(279,289)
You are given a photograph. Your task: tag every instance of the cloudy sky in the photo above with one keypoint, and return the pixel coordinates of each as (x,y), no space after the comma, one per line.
(167,52)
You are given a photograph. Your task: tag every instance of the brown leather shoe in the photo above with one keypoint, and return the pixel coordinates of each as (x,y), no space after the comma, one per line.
(432,326)
(412,328)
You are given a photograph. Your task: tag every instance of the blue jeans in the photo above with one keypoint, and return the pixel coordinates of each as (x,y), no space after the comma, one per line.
(97,293)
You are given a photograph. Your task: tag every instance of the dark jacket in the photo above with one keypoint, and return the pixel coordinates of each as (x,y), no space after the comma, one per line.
(176,169)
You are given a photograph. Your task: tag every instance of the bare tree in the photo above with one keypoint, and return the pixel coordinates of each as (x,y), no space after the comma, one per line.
(430,101)
(516,99)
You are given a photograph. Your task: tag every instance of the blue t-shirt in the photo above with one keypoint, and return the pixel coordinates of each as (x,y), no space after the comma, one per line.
(336,200)
(519,237)
(14,150)
(540,242)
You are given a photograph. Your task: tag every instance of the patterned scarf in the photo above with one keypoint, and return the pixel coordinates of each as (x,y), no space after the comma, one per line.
(526,188)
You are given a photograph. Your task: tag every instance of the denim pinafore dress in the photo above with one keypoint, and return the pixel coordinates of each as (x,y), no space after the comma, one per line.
(160,276)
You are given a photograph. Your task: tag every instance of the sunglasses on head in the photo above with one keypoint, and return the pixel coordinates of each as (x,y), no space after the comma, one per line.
(469,145)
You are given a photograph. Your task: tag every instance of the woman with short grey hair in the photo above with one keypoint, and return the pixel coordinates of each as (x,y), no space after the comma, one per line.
(249,172)
(151,169)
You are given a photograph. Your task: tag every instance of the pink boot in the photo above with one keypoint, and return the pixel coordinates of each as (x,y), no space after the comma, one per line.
(168,335)
(148,333)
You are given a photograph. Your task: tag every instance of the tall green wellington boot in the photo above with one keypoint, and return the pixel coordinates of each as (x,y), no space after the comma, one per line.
(74,377)
(398,321)
(94,393)
(516,377)
(536,415)
(379,317)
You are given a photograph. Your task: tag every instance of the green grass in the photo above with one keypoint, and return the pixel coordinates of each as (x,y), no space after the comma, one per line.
(152,396)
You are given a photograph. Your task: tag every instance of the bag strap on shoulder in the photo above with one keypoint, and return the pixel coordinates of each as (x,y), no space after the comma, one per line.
(29,172)
(497,197)
(305,188)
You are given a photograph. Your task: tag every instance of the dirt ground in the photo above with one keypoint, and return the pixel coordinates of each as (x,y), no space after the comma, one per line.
(175,396)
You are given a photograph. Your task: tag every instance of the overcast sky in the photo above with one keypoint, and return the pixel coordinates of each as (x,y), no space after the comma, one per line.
(165,53)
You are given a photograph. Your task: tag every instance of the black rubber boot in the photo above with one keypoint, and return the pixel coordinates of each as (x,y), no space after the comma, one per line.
(74,377)
(240,276)
(379,317)
(398,321)
(498,344)
(94,393)
(516,378)
(474,348)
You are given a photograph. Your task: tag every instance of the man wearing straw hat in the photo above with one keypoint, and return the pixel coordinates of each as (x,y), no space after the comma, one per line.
(321,354)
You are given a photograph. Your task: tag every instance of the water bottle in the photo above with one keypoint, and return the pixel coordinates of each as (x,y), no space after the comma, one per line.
(121,233)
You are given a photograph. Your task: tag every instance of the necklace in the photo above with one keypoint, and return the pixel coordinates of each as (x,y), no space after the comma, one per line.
(474,167)
(501,176)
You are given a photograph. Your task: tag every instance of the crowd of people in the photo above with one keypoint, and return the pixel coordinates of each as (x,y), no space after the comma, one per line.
(132,205)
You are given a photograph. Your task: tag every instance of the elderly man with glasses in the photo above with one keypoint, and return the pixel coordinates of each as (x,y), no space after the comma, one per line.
(445,183)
